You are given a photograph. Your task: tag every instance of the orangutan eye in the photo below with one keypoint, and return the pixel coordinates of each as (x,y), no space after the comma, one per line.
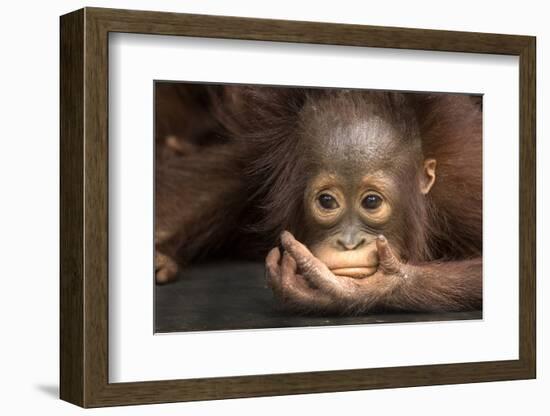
(327,202)
(371,201)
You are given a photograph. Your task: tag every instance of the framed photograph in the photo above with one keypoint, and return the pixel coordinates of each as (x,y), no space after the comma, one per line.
(255,207)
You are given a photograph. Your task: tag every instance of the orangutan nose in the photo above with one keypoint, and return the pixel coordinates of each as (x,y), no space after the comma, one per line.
(351,243)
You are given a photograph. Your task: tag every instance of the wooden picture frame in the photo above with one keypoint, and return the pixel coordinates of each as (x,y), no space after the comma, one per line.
(84,207)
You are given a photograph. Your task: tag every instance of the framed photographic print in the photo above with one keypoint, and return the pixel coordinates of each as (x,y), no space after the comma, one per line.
(257,207)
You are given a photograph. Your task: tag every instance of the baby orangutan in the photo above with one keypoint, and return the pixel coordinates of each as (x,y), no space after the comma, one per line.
(367,217)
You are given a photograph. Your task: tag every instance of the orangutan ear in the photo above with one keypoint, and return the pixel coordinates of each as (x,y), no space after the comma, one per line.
(427,178)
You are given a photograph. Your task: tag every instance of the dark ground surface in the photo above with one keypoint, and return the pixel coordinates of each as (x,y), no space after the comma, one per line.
(233,295)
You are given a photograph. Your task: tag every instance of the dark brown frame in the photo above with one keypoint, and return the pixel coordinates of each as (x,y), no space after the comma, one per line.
(84,213)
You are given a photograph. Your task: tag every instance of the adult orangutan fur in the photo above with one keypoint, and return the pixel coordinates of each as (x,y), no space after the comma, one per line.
(368,200)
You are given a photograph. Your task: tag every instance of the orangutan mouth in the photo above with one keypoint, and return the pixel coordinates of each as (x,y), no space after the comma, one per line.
(355,272)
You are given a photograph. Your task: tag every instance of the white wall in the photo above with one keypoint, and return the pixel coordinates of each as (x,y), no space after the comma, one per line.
(29,206)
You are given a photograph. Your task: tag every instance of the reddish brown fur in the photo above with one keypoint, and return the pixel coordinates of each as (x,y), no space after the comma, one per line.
(452,133)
